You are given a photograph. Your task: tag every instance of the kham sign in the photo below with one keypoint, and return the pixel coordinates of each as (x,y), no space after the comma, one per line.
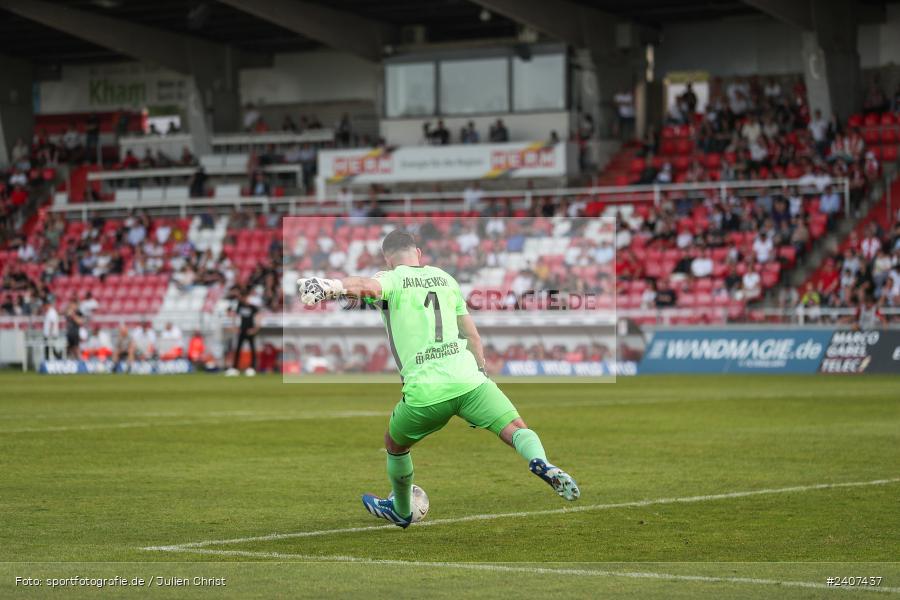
(440,163)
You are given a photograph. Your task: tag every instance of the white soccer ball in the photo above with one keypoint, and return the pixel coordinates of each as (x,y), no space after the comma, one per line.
(419,503)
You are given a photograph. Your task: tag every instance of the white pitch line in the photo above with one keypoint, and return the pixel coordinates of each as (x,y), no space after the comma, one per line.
(539,570)
(555,511)
(349,414)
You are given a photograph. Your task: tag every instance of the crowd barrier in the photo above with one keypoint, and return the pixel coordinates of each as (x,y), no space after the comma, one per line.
(772,351)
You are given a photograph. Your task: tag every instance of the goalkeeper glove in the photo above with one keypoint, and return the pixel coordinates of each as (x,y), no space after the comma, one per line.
(313,290)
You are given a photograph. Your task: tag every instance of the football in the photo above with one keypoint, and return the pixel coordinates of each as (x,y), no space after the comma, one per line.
(419,503)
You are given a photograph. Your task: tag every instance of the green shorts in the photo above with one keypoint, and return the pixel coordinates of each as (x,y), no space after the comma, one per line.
(486,407)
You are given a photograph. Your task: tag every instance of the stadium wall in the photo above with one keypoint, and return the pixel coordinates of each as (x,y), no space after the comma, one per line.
(309,77)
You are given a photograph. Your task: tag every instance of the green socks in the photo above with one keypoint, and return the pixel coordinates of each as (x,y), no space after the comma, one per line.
(528,444)
(400,472)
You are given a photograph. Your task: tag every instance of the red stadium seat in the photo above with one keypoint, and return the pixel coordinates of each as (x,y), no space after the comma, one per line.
(871,136)
(681,163)
(789,254)
(888,118)
(889,153)
(888,136)
(684,146)
(713,160)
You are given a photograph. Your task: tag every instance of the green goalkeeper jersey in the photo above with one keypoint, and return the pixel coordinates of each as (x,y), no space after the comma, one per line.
(419,308)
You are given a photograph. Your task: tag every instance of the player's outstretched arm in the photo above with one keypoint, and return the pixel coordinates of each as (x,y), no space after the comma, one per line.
(313,290)
(467,329)
(361,287)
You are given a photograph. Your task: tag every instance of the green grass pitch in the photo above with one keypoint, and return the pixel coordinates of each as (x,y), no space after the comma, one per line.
(97,470)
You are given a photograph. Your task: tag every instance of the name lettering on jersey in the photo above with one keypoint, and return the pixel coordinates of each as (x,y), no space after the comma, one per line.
(448,349)
(424,282)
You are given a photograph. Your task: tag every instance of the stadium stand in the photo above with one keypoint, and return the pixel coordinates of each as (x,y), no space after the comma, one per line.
(713,211)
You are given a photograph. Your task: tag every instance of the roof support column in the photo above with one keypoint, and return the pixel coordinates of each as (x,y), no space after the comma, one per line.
(16,104)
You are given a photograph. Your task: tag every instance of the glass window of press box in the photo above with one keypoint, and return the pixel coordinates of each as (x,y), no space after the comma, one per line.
(475,85)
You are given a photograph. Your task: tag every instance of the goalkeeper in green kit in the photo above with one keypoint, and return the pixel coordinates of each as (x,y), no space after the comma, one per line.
(441,362)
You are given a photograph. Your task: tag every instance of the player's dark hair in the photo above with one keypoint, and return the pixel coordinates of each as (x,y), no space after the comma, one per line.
(396,241)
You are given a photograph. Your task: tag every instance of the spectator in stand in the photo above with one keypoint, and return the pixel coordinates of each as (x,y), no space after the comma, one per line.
(689,98)
(751,283)
(98,345)
(124,348)
(130,161)
(830,205)
(251,116)
(288,125)
(187,159)
(871,166)
(472,196)
(820,129)
(498,132)
(828,280)
(26,252)
(810,303)
(88,305)
(732,280)
(20,155)
(427,134)
(868,316)
(665,174)
(665,295)
(871,245)
(73,144)
(258,185)
(875,101)
(441,134)
(772,90)
(763,247)
(171,342)
(468,134)
(881,271)
(261,126)
(799,236)
(143,342)
(702,265)
(74,323)
(892,286)
(343,132)
(625,113)
(51,331)
(197,351)
(197,184)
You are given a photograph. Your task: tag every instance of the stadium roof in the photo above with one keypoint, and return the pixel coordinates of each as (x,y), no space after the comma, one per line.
(444,21)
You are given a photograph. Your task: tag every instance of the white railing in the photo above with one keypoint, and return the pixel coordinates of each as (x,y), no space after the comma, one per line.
(175,172)
(276,138)
(170,144)
(410,202)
